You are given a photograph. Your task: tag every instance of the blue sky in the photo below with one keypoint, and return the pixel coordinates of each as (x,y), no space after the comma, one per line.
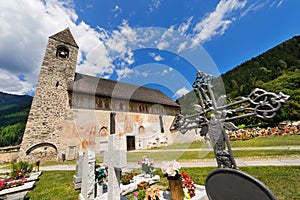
(159,43)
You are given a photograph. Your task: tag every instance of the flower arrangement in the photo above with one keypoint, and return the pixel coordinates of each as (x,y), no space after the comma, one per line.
(21,169)
(171,169)
(126,178)
(101,173)
(188,186)
(10,182)
(152,193)
(147,164)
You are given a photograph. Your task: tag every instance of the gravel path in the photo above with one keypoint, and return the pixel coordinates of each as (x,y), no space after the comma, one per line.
(280,161)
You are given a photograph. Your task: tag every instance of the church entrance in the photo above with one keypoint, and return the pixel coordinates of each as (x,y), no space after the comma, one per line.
(130,143)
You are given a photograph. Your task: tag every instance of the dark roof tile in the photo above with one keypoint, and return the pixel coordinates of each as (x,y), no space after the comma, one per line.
(113,89)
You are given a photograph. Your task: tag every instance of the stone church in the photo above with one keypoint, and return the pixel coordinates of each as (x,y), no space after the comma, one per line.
(72,111)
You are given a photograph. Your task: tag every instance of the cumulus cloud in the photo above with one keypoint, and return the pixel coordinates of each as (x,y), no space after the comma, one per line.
(216,22)
(27,26)
(156,57)
(181,92)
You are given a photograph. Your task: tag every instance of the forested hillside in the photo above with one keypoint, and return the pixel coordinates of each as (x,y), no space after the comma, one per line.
(14,111)
(277,70)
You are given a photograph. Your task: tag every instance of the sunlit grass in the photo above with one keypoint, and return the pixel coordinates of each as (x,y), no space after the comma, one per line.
(195,155)
(54,185)
(283,181)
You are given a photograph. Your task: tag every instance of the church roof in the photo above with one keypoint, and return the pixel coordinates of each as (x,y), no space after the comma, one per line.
(65,36)
(113,89)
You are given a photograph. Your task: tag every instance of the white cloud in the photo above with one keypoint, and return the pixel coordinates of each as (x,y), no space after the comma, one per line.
(123,73)
(117,11)
(185,26)
(216,22)
(10,83)
(166,71)
(181,92)
(157,58)
(166,38)
(28,24)
(154,5)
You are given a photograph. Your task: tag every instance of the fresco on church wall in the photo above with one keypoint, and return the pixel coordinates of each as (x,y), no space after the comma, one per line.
(82,101)
(91,127)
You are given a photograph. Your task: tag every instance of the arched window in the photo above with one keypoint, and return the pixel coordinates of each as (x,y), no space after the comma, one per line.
(62,52)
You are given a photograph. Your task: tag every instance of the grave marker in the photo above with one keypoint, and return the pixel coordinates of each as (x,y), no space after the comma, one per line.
(115,158)
(88,176)
(77,178)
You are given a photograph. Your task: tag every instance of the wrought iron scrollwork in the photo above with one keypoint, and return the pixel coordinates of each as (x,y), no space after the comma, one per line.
(214,115)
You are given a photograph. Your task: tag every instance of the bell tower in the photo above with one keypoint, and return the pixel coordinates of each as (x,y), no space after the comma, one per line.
(50,103)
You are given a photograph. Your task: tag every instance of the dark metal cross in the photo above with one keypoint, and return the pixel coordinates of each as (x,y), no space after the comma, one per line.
(214,115)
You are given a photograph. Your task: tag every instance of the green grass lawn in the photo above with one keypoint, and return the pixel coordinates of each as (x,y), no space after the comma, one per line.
(56,185)
(195,155)
(283,181)
(286,140)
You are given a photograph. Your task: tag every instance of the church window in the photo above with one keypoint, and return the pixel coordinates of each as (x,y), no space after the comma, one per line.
(141,130)
(112,123)
(161,123)
(106,104)
(62,52)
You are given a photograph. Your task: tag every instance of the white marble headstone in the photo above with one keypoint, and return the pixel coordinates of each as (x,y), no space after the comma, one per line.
(77,178)
(116,159)
(88,176)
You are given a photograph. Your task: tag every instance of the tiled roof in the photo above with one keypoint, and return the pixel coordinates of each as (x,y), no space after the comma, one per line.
(113,89)
(65,36)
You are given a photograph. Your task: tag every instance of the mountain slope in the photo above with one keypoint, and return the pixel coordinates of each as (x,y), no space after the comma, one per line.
(276,70)
(14,111)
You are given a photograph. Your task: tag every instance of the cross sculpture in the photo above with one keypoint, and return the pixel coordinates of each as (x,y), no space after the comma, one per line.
(212,117)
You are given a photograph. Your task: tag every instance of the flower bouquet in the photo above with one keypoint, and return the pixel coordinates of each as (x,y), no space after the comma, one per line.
(101,173)
(188,186)
(126,178)
(147,165)
(171,171)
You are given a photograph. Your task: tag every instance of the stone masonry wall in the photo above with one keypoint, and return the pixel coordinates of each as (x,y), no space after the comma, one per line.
(46,118)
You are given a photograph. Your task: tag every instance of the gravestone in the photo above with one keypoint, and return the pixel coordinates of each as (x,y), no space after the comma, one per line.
(116,159)
(88,176)
(77,178)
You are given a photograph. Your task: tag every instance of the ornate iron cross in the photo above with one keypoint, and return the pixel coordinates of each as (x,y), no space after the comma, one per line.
(214,115)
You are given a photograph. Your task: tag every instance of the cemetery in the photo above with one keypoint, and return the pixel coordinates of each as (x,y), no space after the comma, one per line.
(114,179)
(225,182)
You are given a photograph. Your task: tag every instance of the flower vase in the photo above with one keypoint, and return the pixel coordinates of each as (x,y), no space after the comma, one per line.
(176,189)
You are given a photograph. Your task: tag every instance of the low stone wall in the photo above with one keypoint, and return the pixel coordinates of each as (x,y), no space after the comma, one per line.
(6,157)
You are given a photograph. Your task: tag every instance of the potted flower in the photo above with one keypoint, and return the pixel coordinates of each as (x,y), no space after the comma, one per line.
(171,171)
(147,165)
(126,178)
(188,186)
